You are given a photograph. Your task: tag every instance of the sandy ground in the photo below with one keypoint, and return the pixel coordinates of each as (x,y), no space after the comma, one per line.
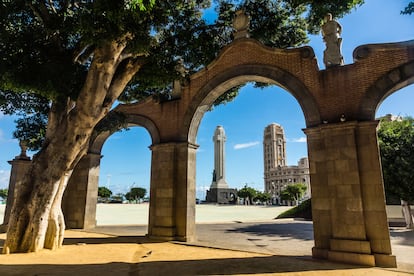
(97,254)
(91,253)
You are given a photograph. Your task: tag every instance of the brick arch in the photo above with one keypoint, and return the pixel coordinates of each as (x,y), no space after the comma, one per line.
(96,144)
(383,87)
(246,73)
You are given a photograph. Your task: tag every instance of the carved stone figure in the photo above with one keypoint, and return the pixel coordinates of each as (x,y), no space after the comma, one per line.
(241,25)
(331,31)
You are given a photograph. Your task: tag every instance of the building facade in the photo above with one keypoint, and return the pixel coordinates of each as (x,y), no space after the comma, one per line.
(277,175)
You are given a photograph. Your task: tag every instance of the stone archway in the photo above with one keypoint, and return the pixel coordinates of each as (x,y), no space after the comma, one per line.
(80,198)
(240,75)
(339,103)
(384,86)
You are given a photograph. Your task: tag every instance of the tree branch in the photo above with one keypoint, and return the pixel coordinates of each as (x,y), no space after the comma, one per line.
(123,75)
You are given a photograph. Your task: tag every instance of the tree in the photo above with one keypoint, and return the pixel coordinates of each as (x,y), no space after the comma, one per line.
(104,192)
(4,193)
(409,9)
(263,197)
(81,56)
(136,194)
(293,192)
(396,142)
(247,193)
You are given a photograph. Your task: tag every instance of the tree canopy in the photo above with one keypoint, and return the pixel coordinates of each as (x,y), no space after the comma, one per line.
(293,192)
(136,193)
(396,141)
(47,46)
(4,193)
(104,192)
(409,9)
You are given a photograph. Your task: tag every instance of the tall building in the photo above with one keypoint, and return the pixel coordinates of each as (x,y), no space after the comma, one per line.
(277,175)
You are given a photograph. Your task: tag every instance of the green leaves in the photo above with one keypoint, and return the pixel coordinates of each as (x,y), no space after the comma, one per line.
(396,142)
(140,4)
(104,192)
(293,192)
(136,193)
(409,9)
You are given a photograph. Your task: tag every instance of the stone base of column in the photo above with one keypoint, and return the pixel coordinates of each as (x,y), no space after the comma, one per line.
(319,253)
(162,233)
(384,260)
(351,258)
(353,252)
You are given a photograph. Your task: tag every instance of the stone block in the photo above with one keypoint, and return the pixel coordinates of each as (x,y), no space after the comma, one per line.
(353,246)
(354,204)
(321,204)
(341,166)
(383,260)
(162,233)
(351,258)
(344,191)
(164,193)
(381,244)
(319,253)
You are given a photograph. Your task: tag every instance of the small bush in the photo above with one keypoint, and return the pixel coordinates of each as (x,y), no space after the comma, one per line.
(303,210)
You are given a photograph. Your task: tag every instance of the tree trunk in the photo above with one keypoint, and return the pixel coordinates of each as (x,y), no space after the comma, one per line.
(407,214)
(36,219)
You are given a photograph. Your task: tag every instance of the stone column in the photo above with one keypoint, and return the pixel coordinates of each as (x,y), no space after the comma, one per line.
(19,167)
(172,193)
(373,194)
(81,195)
(338,155)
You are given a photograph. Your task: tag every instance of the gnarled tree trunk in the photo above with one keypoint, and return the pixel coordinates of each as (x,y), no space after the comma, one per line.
(36,219)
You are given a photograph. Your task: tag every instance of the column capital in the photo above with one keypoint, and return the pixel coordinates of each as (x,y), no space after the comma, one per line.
(343,125)
(173,145)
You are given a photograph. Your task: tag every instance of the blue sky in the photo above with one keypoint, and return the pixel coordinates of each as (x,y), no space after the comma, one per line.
(126,161)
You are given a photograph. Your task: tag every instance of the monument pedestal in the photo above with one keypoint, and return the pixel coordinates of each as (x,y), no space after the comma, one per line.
(222,196)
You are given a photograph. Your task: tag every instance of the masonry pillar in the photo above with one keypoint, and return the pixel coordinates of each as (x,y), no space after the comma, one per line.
(172,193)
(19,167)
(373,194)
(81,195)
(348,203)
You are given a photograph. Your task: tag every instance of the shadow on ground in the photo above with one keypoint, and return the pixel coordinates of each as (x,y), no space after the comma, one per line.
(404,235)
(134,255)
(235,266)
(293,230)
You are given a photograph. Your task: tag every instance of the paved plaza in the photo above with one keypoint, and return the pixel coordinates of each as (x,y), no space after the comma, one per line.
(258,243)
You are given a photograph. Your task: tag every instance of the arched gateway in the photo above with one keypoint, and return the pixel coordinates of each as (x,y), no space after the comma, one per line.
(348,204)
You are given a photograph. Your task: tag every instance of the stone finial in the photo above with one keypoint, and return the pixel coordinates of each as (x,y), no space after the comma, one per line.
(178,83)
(331,31)
(23,149)
(241,23)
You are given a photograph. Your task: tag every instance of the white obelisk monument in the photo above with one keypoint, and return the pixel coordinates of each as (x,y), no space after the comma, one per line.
(219,139)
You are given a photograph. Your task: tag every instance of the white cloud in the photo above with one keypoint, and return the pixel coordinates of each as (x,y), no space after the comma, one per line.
(298,140)
(4,179)
(246,145)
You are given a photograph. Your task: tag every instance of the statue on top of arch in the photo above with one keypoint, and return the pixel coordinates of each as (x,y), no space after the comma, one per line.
(331,31)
